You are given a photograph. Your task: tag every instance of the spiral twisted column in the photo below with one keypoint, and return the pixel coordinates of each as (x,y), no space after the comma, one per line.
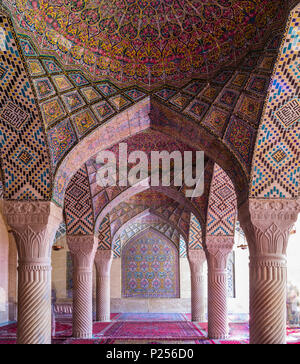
(218,249)
(34,225)
(196,260)
(267,225)
(83,249)
(103,261)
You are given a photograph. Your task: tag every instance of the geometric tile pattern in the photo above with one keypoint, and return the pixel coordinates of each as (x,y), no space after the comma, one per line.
(52,110)
(73,101)
(276,163)
(43,88)
(35,68)
(289,113)
(24,156)
(182,248)
(61,232)
(78,205)
(117,248)
(14,115)
(62,83)
(65,109)
(222,207)
(104,242)
(83,122)
(171,210)
(240,137)
(195,238)
(61,138)
(101,196)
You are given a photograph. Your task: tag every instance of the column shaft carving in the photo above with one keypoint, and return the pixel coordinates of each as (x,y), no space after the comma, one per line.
(34,225)
(267,224)
(218,249)
(83,249)
(196,260)
(103,261)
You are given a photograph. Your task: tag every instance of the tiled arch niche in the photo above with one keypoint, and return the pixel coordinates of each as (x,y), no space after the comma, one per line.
(119,303)
(150,267)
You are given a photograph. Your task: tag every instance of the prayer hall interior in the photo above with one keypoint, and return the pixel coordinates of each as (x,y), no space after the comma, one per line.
(92,251)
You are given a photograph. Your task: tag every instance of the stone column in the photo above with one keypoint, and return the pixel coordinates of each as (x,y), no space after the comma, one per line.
(218,249)
(267,225)
(83,249)
(34,225)
(103,261)
(196,260)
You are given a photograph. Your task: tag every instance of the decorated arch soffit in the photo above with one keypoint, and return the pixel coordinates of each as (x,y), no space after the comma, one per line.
(145,207)
(172,213)
(122,204)
(170,232)
(80,212)
(276,162)
(136,224)
(147,142)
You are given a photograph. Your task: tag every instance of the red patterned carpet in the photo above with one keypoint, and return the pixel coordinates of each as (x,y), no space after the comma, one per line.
(150,329)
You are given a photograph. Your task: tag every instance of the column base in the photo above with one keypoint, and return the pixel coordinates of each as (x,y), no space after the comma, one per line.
(103,319)
(218,337)
(82,335)
(200,319)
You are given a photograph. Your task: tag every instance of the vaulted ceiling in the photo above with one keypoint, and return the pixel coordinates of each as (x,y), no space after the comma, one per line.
(147,42)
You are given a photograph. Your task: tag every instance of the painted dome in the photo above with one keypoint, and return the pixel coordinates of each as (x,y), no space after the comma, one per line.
(147,42)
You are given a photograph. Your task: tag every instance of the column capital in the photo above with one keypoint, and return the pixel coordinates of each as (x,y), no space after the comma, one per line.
(83,248)
(103,261)
(103,256)
(196,259)
(218,249)
(280,211)
(196,256)
(34,224)
(34,213)
(267,224)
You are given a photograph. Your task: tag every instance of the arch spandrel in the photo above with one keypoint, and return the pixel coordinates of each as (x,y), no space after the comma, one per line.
(222,205)
(276,161)
(25,162)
